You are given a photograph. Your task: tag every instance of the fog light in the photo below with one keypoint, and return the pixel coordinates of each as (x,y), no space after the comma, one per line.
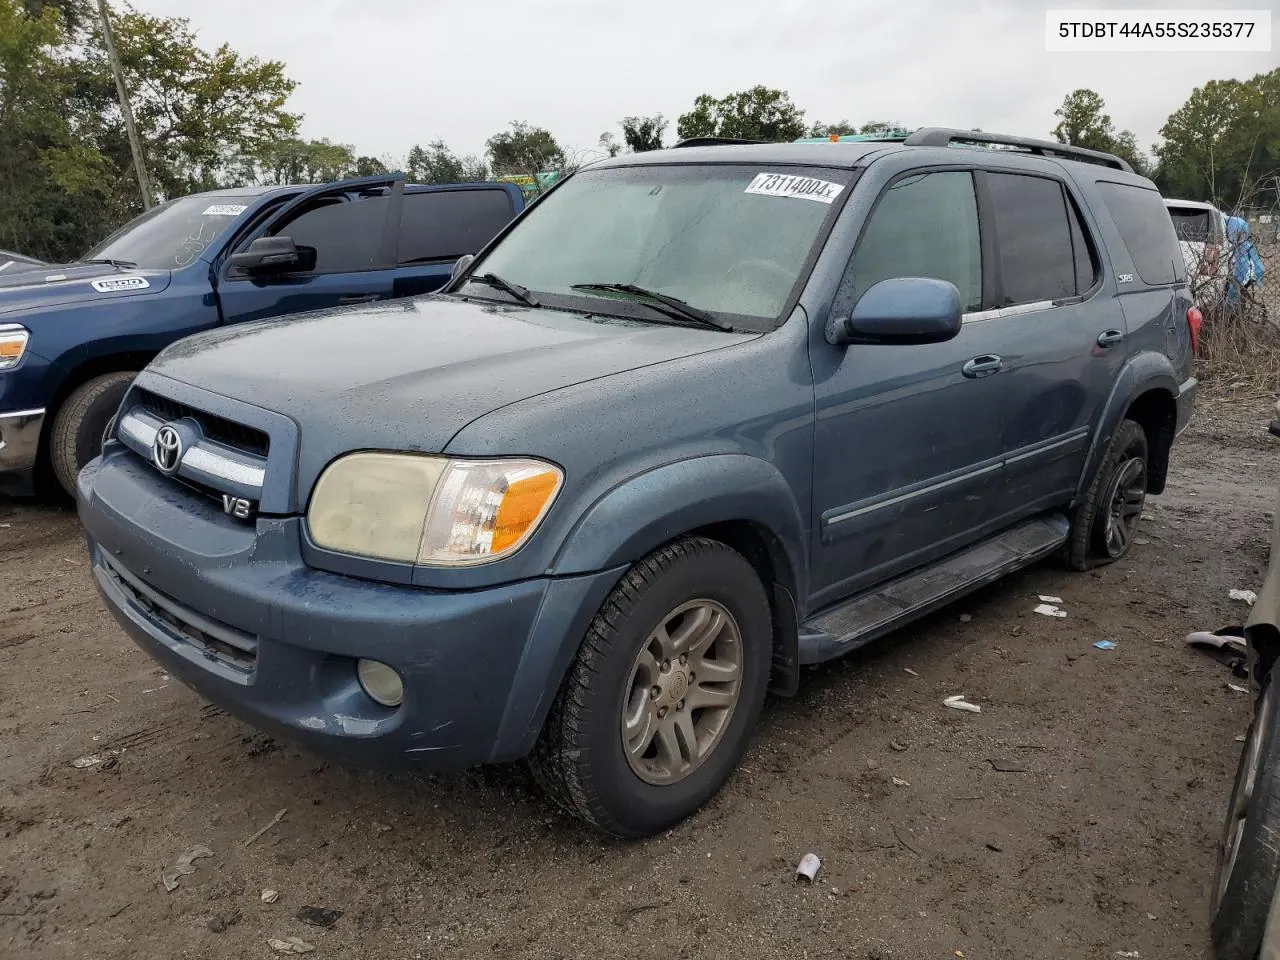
(380,682)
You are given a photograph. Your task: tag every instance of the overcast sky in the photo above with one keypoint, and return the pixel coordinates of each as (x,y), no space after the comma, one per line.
(385,74)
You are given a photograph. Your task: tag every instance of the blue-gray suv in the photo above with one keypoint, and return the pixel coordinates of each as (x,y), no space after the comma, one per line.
(697,418)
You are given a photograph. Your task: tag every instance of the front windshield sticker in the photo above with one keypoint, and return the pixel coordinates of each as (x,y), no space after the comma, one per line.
(116,284)
(801,188)
(225,210)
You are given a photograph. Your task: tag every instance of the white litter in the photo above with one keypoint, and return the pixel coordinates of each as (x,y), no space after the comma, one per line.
(1237,688)
(183,866)
(1203,638)
(958,702)
(809,867)
(1044,599)
(83,763)
(270,896)
(1049,610)
(908,670)
(899,782)
(1248,596)
(1131,954)
(290,945)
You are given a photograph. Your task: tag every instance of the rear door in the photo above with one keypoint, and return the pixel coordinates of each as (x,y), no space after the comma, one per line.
(440,224)
(1061,339)
(352,227)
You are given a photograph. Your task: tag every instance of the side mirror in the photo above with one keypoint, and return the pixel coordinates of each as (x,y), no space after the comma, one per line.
(904,310)
(274,254)
(460,266)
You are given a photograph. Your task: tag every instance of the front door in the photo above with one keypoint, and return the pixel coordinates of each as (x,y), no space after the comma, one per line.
(908,439)
(352,228)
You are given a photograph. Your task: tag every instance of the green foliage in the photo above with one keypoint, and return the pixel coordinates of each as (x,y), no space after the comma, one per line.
(436,163)
(1223,141)
(642,134)
(756,114)
(523,149)
(1083,122)
(842,129)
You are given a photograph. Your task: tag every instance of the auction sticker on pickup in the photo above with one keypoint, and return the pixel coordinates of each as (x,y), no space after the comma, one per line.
(801,188)
(116,284)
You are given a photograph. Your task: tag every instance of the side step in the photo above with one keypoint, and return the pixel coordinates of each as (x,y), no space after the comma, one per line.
(835,631)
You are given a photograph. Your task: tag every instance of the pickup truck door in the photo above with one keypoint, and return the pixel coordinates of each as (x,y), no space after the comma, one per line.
(353,227)
(439,224)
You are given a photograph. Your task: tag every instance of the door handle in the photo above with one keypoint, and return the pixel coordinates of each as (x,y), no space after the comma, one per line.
(983,366)
(1109,338)
(358,298)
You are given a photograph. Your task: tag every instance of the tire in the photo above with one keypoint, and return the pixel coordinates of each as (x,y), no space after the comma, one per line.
(80,423)
(1098,535)
(1248,858)
(582,759)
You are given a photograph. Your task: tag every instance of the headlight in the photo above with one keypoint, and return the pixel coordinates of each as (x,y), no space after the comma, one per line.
(430,510)
(13,344)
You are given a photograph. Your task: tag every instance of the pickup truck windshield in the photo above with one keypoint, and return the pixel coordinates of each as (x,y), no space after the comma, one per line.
(173,234)
(724,239)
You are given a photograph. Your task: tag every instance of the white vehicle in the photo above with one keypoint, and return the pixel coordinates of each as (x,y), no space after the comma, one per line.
(1202,235)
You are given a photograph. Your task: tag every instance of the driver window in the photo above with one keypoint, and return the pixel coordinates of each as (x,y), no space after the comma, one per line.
(345,231)
(925,225)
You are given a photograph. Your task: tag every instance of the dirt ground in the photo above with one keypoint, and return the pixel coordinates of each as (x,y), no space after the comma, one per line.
(1105,843)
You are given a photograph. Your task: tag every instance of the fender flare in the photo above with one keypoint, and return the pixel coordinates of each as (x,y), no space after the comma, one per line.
(1141,373)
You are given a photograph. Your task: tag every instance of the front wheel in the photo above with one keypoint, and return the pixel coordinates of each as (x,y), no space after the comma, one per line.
(1105,521)
(81,422)
(660,702)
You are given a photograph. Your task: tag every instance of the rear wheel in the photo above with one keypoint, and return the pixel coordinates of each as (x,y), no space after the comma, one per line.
(660,702)
(1248,861)
(81,422)
(1105,520)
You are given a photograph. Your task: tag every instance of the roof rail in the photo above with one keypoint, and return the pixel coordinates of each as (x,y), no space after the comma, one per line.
(945,136)
(713,142)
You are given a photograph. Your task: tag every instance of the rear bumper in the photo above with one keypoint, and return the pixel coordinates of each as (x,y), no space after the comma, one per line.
(232,611)
(19,444)
(1186,403)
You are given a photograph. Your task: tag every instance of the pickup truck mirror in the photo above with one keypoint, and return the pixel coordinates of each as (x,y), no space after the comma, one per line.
(902,310)
(460,266)
(274,254)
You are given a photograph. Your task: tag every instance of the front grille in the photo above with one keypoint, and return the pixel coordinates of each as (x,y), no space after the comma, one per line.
(217,641)
(231,434)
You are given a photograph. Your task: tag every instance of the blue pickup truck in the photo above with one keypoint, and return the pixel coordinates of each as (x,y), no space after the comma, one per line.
(73,336)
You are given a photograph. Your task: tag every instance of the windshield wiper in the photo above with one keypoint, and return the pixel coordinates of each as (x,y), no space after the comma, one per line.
(671,306)
(506,286)
(122,264)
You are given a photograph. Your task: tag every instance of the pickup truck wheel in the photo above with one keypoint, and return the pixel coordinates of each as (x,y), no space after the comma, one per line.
(1105,521)
(80,423)
(660,702)
(1248,858)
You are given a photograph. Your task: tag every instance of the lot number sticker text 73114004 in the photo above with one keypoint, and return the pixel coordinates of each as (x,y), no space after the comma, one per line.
(801,188)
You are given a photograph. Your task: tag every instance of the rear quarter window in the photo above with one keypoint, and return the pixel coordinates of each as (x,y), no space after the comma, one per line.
(448,224)
(1147,230)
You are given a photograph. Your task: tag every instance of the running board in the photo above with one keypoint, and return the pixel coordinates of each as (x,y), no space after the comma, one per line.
(837,630)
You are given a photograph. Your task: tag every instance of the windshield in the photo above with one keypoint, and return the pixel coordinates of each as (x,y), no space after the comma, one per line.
(173,234)
(725,239)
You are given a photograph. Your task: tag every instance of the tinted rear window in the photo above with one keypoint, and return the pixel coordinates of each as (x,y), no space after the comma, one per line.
(1191,224)
(1034,237)
(447,224)
(1144,224)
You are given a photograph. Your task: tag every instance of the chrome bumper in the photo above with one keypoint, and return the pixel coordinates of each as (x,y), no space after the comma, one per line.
(19,442)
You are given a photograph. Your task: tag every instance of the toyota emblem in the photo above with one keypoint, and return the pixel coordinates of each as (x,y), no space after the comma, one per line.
(166,449)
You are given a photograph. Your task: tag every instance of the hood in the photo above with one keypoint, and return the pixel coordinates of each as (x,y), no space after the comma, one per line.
(409,374)
(53,285)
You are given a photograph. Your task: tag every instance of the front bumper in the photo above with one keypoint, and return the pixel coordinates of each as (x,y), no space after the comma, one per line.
(232,611)
(19,444)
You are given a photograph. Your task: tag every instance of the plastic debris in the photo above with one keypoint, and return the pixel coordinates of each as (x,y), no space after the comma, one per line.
(1237,688)
(1105,644)
(183,866)
(270,896)
(1217,641)
(290,945)
(899,782)
(809,867)
(271,823)
(319,916)
(1044,599)
(97,759)
(1007,766)
(1131,954)
(910,672)
(958,702)
(1049,610)
(897,747)
(1248,596)
(965,617)
(1241,739)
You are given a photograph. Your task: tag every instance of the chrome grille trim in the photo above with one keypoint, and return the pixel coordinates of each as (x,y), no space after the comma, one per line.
(205,462)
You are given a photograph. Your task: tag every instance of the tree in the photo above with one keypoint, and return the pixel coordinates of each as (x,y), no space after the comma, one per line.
(303,161)
(1224,140)
(642,134)
(1083,122)
(523,149)
(756,114)
(842,129)
(436,163)
(609,144)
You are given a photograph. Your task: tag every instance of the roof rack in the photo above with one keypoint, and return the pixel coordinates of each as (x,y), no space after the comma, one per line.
(713,142)
(945,136)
